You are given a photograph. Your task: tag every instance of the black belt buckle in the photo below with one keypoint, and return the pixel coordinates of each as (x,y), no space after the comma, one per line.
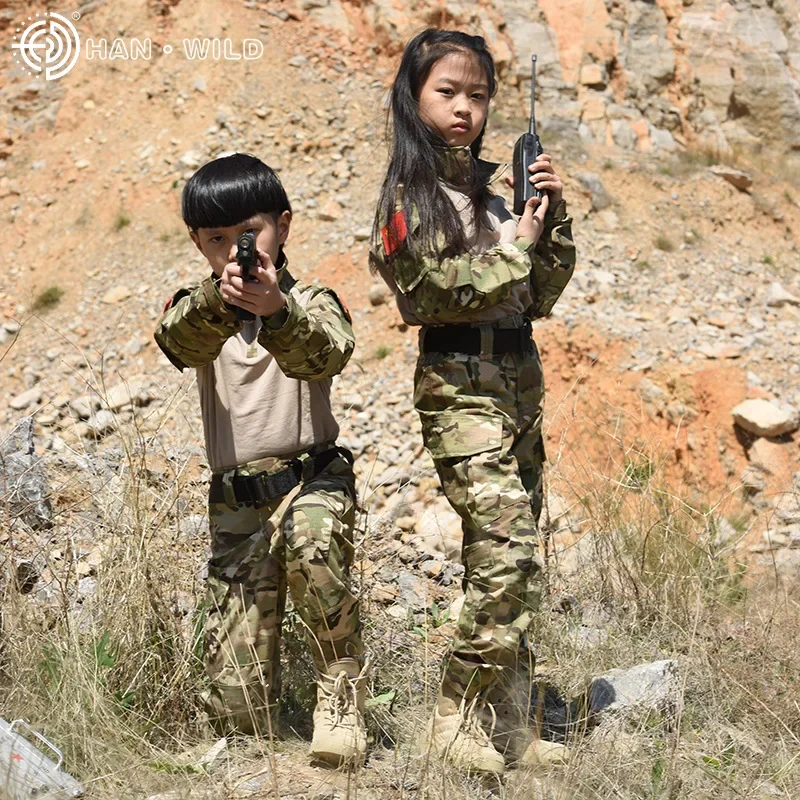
(258,489)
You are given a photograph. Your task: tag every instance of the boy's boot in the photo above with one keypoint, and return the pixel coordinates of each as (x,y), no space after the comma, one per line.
(340,735)
(459,739)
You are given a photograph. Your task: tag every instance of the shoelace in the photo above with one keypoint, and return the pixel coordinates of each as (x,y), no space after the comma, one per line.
(472,722)
(339,696)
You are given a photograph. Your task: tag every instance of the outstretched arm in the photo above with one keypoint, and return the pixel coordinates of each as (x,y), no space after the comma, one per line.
(195,325)
(311,342)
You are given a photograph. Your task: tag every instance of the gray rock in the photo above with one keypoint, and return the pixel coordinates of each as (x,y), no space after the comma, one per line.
(28,398)
(762,418)
(414,592)
(645,687)
(597,192)
(23,481)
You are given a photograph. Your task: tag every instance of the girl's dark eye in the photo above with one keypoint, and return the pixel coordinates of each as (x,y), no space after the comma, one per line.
(447,92)
(477,96)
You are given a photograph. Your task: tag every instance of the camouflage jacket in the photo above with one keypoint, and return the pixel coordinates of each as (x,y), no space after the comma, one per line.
(264,390)
(469,288)
(310,341)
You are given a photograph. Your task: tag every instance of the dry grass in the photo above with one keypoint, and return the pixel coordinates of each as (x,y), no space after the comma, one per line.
(113,675)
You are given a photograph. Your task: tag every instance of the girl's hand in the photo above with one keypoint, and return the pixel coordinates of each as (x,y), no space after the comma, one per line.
(531,223)
(261,296)
(544,177)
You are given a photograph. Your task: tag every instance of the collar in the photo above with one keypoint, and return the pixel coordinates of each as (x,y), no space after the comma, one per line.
(285,279)
(459,168)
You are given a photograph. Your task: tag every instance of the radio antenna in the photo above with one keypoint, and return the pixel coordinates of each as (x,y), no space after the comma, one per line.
(532,126)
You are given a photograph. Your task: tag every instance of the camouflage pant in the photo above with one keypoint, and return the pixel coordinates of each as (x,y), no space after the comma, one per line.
(254,555)
(482,424)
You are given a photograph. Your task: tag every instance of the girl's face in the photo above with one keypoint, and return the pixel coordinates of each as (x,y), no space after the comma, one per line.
(454,100)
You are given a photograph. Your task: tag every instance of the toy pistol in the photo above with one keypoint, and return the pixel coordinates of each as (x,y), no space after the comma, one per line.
(526,151)
(247,259)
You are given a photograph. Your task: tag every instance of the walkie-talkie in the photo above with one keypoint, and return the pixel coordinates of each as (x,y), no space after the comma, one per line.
(526,151)
(247,259)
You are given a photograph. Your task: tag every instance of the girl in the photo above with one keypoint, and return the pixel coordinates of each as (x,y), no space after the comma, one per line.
(472,278)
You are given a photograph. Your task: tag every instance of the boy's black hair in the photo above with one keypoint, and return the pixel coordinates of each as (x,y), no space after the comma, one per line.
(414,158)
(231,189)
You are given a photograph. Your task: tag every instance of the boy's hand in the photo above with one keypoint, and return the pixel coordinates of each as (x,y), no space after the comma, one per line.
(262,297)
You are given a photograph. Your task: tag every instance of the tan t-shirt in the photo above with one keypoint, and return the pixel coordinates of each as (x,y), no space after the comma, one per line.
(251,410)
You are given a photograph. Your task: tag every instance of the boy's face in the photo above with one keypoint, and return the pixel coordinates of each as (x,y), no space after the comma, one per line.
(218,245)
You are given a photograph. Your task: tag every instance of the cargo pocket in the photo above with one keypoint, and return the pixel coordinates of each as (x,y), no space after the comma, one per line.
(454,434)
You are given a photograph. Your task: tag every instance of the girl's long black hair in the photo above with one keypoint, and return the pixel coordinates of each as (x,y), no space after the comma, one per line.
(414,159)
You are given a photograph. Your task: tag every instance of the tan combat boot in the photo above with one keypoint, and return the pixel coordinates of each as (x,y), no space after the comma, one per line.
(340,735)
(459,739)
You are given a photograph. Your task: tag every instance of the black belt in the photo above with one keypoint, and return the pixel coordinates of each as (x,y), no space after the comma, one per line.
(467,339)
(264,487)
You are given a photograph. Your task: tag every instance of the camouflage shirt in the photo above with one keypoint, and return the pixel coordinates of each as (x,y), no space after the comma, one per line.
(500,271)
(262,398)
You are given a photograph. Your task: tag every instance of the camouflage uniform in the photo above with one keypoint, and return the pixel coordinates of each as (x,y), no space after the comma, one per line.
(303,539)
(482,424)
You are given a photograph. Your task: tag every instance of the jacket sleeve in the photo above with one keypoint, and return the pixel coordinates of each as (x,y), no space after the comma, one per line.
(552,260)
(446,288)
(195,325)
(311,342)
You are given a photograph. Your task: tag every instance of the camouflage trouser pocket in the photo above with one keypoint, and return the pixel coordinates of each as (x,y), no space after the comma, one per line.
(456,434)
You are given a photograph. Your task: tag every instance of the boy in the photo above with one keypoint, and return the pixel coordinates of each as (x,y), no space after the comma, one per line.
(282,496)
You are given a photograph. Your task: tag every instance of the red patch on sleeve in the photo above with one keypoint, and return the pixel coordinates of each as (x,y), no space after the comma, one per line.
(167,305)
(395,233)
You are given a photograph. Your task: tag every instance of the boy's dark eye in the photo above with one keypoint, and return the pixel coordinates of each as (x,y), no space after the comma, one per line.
(215,239)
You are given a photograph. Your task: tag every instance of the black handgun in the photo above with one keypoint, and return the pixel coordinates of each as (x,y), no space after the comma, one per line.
(526,151)
(247,259)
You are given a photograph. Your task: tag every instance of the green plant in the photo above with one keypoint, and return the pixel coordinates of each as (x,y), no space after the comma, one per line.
(122,220)
(382,351)
(638,472)
(48,298)
(642,264)
(663,242)
(768,260)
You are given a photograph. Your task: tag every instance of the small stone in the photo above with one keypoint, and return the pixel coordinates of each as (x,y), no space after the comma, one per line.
(200,84)
(405,523)
(84,405)
(377,294)
(28,398)
(82,163)
(116,295)
(362,234)
(593,75)
(762,418)
(102,422)
(741,180)
(779,297)
(330,212)
(191,159)
(89,105)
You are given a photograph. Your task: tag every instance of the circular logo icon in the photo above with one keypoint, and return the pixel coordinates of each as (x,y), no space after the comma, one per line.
(48,46)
